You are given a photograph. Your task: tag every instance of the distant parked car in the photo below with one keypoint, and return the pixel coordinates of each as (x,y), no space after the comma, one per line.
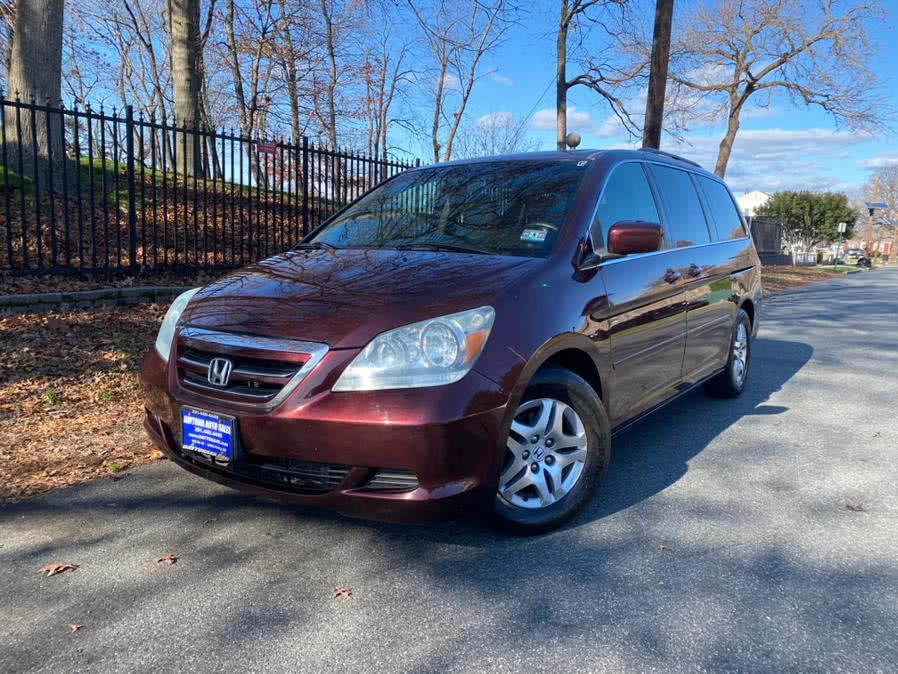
(855,256)
(466,335)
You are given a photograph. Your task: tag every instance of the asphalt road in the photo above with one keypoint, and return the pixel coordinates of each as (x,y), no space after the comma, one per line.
(763,566)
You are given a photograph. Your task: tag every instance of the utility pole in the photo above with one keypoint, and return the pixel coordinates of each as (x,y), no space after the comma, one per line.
(871,210)
(654,102)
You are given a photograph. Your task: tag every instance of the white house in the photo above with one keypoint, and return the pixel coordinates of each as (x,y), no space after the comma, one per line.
(750,202)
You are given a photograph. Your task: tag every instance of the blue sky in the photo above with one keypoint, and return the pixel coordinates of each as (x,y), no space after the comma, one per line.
(782,147)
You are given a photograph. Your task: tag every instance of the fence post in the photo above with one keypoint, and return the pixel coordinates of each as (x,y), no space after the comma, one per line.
(132,189)
(305,185)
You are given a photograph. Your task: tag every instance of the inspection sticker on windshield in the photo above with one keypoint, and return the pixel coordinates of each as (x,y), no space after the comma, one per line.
(534,235)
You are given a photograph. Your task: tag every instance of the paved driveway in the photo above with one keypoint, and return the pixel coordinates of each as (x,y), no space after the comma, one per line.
(767,569)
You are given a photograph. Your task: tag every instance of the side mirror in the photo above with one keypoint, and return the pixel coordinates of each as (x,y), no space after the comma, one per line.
(634,236)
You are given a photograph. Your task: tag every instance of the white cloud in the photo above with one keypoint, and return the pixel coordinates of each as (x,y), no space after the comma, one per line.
(577,120)
(611,127)
(502,118)
(451,82)
(759,112)
(878,162)
(776,159)
(502,79)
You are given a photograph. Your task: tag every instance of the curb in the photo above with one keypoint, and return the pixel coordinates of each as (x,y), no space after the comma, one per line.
(82,299)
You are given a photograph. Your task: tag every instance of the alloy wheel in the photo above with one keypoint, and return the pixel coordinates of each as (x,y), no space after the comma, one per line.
(546,453)
(740,354)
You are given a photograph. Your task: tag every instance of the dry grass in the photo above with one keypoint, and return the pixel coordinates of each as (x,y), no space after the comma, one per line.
(778,278)
(16,285)
(70,398)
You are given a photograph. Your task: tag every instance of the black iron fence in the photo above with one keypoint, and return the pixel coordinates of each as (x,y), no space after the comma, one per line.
(91,191)
(767,233)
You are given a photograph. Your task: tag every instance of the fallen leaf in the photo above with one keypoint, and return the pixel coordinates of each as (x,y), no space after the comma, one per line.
(664,548)
(168,560)
(343,593)
(54,323)
(74,628)
(53,569)
(856,507)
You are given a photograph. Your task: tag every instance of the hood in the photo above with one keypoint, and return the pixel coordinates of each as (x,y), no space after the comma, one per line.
(344,298)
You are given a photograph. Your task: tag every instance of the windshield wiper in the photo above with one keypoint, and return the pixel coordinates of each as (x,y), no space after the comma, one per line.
(455,248)
(318,245)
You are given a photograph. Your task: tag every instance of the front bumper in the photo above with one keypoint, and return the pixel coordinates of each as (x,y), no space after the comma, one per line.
(450,438)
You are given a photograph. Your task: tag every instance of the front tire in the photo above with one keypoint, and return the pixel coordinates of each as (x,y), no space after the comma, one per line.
(731,382)
(557,454)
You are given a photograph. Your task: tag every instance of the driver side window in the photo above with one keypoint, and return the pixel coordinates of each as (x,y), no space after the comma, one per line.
(626,196)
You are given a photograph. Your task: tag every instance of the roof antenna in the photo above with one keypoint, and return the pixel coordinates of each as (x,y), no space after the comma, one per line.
(572,140)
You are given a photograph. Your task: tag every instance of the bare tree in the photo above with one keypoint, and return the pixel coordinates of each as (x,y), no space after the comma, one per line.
(386,72)
(458,35)
(297,56)
(249,31)
(332,73)
(818,54)
(184,18)
(497,133)
(35,73)
(654,102)
(597,65)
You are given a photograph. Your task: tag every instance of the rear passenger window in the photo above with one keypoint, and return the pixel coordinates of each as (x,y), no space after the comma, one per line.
(627,196)
(723,210)
(678,193)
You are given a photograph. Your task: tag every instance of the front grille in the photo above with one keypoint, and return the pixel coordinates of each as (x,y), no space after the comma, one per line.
(392,481)
(306,477)
(300,477)
(255,379)
(263,369)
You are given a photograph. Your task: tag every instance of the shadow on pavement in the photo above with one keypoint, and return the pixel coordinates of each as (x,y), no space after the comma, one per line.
(459,596)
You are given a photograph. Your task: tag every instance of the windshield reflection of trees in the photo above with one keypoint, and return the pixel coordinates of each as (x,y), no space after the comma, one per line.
(483,205)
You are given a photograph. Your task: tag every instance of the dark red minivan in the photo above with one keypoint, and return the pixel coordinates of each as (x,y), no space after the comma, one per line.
(465,336)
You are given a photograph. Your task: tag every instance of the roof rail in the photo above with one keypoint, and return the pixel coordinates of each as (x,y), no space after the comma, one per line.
(671,155)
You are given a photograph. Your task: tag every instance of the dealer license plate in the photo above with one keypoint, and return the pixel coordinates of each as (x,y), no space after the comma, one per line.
(208,433)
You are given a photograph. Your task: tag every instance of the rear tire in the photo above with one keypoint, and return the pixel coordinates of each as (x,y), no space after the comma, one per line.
(557,454)
(731,382)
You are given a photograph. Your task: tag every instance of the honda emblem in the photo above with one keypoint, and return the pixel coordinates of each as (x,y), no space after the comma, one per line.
(219,371)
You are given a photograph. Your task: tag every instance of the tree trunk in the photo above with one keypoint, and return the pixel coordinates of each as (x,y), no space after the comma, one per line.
(184,16)
(726,145)
(35,74)
(561,80)
(437,112)
(654,104)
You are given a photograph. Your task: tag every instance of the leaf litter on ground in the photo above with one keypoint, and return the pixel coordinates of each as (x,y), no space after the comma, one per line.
(55,569)
(70,397)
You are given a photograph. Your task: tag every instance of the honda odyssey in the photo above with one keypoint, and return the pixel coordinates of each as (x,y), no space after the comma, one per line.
(466,336)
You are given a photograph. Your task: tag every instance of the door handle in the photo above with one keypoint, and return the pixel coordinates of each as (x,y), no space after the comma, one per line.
(672,276)
(694,270)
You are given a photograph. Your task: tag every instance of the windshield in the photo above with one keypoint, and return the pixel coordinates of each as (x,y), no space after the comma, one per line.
(503,207)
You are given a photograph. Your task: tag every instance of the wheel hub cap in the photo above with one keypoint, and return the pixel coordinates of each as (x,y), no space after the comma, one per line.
(546,452)
(740,354)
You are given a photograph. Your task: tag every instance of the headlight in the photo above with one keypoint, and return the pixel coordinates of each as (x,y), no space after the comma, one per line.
(167,331)
(430,353)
